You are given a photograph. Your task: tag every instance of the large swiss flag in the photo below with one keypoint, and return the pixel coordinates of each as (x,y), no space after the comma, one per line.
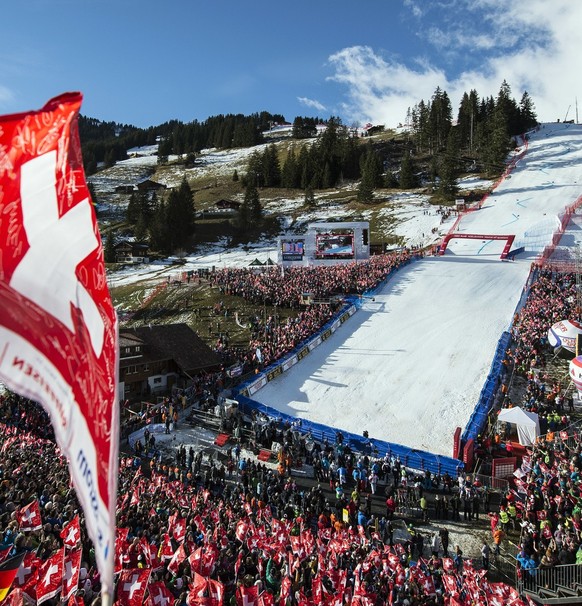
(58,328)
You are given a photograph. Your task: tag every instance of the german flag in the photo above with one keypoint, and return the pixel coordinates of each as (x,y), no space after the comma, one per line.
(8,570)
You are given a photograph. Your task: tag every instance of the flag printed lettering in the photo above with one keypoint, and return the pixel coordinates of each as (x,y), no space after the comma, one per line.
(58,329)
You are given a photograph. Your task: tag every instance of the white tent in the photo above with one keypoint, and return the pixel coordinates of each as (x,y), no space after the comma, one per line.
(528,424)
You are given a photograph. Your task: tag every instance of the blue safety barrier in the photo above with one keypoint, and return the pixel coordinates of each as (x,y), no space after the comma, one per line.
(410,457)
(478,418)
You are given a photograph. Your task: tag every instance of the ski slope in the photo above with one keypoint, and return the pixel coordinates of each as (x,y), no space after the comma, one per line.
(409,366)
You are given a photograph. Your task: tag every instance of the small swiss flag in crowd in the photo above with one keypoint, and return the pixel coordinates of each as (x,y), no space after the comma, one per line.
(28,517)
(132,586)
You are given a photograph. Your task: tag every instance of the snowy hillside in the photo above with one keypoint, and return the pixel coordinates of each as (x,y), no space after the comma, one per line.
(415,358)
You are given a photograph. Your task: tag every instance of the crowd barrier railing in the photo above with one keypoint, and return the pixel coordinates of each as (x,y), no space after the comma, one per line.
(552,582)
(410,457)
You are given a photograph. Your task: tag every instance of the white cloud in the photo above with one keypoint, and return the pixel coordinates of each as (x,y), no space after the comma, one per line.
(414,7)
(532,44)
(381,91)
(312,103)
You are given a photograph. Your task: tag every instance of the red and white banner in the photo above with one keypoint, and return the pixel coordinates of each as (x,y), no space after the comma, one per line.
(160,595)
(50,576)
(132,586)
(29,518)
(71,533)
(71,571)
(58,328)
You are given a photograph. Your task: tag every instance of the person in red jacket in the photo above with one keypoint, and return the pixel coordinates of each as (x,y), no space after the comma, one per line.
(390,507)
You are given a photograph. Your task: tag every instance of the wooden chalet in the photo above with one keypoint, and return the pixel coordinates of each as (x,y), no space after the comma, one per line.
(152,359)
(132,252)
(227,205)
(147,185)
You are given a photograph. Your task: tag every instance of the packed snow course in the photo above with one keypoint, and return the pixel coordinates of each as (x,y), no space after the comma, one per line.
(409,366)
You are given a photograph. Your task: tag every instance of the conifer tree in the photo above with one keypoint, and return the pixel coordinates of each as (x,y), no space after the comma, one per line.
(109,249)
(290,176)
(271,168)
(407,177)
(371,175)
(159,231)
(448,166)
(133,209)
(254,203)
(180,216)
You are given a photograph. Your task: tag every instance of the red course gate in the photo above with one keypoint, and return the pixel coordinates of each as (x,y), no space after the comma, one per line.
(509,237)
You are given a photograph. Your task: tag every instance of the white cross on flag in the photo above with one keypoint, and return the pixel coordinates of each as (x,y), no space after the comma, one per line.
(50,575)
(247,596)
(160,595)
(29,518)
(71,533)
(131,586)
(71,570)
(58,327)
(28,567)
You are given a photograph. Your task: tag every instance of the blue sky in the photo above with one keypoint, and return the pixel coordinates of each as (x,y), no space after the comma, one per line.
(144,62)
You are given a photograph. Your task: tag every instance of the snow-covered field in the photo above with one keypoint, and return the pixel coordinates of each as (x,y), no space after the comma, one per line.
(409,366)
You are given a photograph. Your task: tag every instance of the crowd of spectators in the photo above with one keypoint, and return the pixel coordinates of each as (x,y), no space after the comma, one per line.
(546,505)
(239,532)
(284,288)
(271,338)
(216,533)
(552,297)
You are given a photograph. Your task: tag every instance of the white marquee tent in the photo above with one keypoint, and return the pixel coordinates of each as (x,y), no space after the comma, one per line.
(528,424)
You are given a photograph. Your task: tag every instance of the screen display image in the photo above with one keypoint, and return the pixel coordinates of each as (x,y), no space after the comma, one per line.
(334,245)
(292,250)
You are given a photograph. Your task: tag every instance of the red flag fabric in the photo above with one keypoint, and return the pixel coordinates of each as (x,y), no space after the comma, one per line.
(71,533)
(160,595)
(216,592)
(58,329)
(29,518)
(71,570)
(166,550)
(285,590)
(4,553)
(198,594)
(202,560)
(242,528)
(131,586)
(16,598)
(247,596)
(179,530)
(29,566)
(50,576)
(29,588)
(266,599)
(177,559)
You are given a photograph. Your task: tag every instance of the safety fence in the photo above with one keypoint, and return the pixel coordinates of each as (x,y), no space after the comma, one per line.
(563,220)
(478,417)
(555,584)
(481,419)
(410,457)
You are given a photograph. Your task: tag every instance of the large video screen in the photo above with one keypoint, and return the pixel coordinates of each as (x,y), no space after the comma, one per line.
(293,250)
(335,245)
